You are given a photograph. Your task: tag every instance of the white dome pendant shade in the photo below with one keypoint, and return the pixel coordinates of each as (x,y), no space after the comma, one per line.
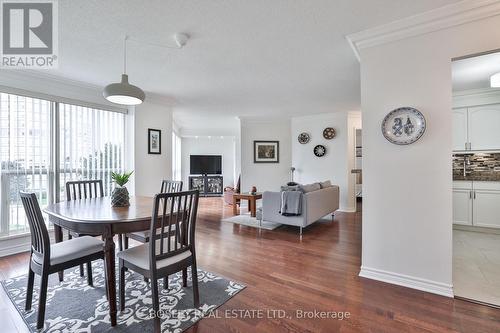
(495,80)
(123,92)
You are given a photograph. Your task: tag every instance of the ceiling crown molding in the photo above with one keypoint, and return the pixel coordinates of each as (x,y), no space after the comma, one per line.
(438,19)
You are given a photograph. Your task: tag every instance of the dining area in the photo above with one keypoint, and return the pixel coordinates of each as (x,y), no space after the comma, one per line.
(91,223)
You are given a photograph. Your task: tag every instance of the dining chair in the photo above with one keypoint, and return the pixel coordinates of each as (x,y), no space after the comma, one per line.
(167,186)
(46,259)
(168,253)
(84,189)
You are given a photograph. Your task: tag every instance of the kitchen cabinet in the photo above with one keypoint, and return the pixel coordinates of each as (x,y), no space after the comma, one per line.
(476,128)
(460,138)
(476,204)
(484,122)
(462,203)
(486,209)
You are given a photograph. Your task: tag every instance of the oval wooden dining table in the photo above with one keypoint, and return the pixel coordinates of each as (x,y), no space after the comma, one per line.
(96,217)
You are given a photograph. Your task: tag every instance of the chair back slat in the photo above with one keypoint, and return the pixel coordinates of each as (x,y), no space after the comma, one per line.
(174,212)
(40,241)
(171,186)
(82,189)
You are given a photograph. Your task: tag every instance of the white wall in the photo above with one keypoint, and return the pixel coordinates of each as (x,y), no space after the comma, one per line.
(151,169)
(204,145)
(407,204)
(335,165)
(265,176)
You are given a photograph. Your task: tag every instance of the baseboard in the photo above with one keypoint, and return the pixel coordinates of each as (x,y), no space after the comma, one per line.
(14,249)
(347,210)
(429,286)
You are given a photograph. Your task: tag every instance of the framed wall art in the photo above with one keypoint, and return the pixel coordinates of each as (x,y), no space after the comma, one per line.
(154,141)
(266,152)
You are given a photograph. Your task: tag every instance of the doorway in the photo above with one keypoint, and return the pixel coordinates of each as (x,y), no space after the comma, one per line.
(476,178)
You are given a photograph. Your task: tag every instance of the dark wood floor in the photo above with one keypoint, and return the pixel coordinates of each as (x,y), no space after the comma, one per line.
(318,273)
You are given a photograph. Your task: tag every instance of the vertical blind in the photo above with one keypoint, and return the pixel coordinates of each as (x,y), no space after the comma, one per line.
(37,135)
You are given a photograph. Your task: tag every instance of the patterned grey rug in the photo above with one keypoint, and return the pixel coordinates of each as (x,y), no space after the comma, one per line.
(73,306)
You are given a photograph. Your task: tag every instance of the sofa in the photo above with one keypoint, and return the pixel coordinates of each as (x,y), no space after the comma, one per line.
(317,202)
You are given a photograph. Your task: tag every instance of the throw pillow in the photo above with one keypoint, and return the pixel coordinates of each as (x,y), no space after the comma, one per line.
(310,187)
(326,184)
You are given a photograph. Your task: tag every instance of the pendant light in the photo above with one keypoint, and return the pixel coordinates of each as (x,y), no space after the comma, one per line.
(495,80)
(123,92)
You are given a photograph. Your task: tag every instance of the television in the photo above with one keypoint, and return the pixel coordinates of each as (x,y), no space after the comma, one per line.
(205,164)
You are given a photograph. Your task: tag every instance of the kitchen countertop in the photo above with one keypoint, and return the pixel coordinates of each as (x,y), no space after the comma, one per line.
(487,177)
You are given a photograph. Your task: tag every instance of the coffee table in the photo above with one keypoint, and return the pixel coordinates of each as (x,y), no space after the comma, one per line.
(252,202)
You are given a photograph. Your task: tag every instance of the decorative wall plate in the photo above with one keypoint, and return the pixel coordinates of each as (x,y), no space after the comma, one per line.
(403,126)
(320,150)
(329,133)
(304,138)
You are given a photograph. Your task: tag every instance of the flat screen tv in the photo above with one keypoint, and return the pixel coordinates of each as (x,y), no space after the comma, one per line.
(205,164)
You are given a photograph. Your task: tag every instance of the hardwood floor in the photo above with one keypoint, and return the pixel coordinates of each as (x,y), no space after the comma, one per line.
(318,273)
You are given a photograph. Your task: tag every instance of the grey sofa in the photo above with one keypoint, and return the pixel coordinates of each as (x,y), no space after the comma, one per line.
(315,205)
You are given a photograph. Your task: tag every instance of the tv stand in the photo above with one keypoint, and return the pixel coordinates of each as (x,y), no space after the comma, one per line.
(208,185)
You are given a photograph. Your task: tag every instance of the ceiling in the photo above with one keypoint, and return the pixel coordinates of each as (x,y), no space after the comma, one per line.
(474,73)
(244,58)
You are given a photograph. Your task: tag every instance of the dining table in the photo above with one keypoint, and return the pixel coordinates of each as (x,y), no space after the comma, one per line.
(97,217)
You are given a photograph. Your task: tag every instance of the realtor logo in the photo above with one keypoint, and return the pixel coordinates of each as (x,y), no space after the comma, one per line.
(29,34)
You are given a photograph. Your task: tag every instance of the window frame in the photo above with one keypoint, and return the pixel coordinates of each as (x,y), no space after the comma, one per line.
(54,170)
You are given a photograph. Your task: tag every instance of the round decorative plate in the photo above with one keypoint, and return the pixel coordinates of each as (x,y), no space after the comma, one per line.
(329,133)
(320,150)
(304,138)
(403,126)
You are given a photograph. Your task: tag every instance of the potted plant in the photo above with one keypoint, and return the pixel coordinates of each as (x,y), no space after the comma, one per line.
(120,196)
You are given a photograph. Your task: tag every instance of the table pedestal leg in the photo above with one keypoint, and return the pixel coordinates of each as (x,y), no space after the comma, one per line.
(235,210)
(59,238)
(253,211)
(109,257)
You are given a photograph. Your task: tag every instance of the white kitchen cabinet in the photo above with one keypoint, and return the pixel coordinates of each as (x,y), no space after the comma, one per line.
(460,138)
(483,128)
(462,207)
(476,128)
(486,210)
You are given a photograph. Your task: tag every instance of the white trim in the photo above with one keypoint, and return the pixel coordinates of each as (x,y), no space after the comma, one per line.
(346,210)
(59,99)
(17,244)
(434,20)
(429,286)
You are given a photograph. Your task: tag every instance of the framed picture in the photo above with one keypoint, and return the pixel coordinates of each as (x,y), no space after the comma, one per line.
(266,151)
(154,141)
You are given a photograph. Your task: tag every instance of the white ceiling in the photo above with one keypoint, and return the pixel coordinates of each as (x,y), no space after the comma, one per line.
(245,58)
(474,73)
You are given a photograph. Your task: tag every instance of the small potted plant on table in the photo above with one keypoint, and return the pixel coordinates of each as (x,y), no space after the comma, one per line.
(120,196)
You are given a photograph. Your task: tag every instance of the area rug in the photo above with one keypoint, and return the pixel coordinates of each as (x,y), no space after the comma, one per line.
(247,220)
(73,306)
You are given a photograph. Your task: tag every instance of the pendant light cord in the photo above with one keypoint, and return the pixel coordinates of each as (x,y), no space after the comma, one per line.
(125,54)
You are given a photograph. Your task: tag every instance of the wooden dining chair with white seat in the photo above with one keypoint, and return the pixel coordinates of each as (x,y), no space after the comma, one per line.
(169,253)
(46,259)
(167,186)
(84,189)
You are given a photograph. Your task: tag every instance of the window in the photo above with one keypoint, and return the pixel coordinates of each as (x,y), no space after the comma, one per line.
(89,145)
(176,156)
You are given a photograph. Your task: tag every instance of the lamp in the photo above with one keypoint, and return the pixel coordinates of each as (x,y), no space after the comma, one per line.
(495,80)
(123,92)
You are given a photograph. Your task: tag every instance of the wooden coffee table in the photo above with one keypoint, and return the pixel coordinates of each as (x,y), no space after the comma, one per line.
(252,202)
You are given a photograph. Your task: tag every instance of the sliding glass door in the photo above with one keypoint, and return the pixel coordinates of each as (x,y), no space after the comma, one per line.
(25,156)
(44,144)
(91,144)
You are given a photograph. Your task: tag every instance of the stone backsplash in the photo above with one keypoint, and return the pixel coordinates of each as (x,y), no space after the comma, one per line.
(478,166)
